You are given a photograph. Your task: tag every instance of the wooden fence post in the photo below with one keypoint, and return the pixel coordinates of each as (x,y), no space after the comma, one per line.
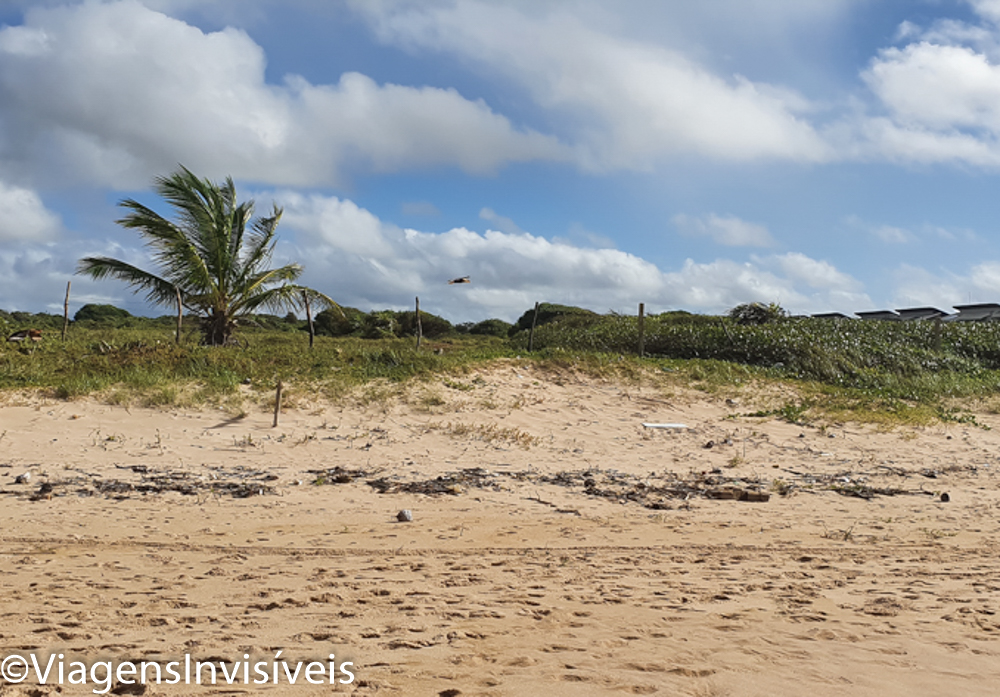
(66,311)
(642,329)
(309,318)
(277,404)
(180,314)
(420,328)
(531,334)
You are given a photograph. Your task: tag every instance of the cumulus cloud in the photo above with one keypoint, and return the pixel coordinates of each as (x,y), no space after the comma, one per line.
(939,96)
(366,262)
(33,276)
(728,230)
(632,102)
(23,216)
(114,92)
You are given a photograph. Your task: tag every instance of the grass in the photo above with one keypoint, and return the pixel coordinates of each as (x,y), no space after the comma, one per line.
(802,370)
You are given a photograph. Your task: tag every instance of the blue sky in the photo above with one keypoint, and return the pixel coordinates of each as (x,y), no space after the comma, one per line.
(822,154)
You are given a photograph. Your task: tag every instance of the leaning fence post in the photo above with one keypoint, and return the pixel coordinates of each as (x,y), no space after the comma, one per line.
(642,329)
(180,313)
(420,329)
(277,404)
(66,311)
(531,334)
(309,318)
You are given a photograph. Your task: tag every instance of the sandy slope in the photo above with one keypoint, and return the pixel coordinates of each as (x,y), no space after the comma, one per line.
(513,584)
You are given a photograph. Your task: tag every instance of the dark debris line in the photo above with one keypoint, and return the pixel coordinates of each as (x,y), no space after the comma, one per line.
(655,491)
(238,483)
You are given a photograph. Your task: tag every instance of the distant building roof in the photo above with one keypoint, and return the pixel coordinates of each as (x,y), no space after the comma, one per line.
(915,313)
(977,312)
(878,314)
(831,315)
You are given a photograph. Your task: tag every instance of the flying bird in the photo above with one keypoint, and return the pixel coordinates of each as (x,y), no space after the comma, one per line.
(463,279)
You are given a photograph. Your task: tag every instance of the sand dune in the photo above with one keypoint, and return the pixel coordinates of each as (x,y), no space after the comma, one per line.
(560,555)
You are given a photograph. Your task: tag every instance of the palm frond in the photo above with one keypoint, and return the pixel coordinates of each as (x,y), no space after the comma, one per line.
(158,290)
(285,297)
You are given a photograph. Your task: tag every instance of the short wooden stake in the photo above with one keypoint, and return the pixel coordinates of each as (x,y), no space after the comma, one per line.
(531,334)
(309,318)
(420,329)
(180,314)
(66,311)
(642,329)
(277,404)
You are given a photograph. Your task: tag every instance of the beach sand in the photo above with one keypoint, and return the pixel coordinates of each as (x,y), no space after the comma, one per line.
(565,560)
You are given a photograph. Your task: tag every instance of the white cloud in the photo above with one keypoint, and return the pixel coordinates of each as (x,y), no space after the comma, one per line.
(632,102)
(335,223)
(115,92)
(365,262)
(33,276)
(938,87)
(940,95)
(945,289)
(728,230)
(23,216)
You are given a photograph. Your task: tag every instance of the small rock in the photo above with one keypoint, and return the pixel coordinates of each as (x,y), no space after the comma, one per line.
(710,444)
(405,516)
(945,498)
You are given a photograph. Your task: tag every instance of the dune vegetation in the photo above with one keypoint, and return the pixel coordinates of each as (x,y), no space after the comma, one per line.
(889,372)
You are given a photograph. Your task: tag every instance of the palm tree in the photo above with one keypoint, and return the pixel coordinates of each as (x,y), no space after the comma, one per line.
(215,256)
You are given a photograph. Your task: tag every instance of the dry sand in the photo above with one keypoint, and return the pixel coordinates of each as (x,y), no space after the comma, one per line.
(517,582)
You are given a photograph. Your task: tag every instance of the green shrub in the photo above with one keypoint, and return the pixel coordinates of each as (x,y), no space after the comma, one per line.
(380,324)
(342,321)
(491,327)
(101,314)
(432,326)
(549,313)
(757,313)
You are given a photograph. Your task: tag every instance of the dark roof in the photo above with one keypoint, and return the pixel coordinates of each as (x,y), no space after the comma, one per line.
(977,311)
(831,315)
(878,314)
(911,313)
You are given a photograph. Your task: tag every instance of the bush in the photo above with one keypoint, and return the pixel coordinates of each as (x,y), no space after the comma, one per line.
(549,313)
(342,321)
(432,326)
(757,313)
(105,314)
(381,324)
(491,327)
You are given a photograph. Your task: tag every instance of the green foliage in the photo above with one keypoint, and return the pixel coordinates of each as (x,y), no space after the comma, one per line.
(381,324)
(432,326)
(549,313)
(904,371)
(491,327)
(757,313)
(16,321)
(108,315)
(343,321)
(896,359)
